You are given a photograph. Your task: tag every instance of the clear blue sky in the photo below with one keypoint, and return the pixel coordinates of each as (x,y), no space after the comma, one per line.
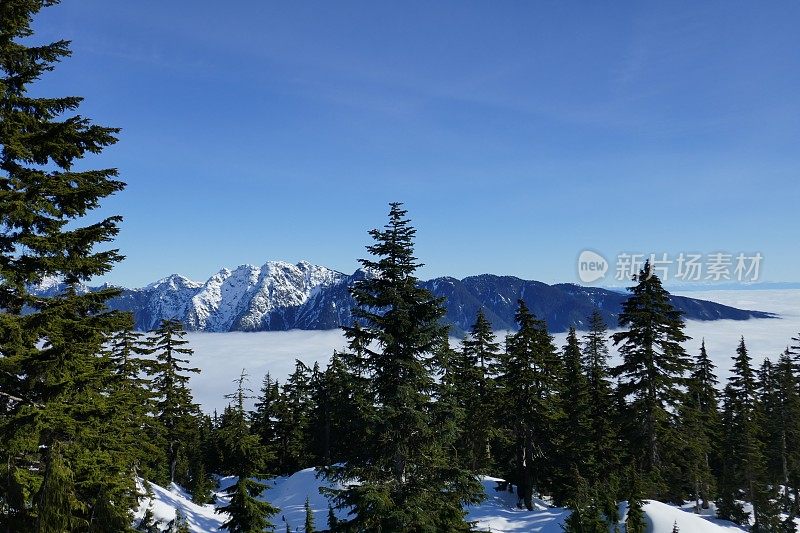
(517,133)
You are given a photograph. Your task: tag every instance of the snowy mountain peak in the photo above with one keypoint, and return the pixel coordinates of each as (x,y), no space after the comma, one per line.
(173,282)
(248,298)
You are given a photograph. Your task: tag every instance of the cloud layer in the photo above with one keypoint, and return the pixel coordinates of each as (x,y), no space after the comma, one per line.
(222,356)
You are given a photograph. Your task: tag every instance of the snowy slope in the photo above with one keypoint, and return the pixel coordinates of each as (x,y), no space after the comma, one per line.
(250,298)
(170,297)
(497,513)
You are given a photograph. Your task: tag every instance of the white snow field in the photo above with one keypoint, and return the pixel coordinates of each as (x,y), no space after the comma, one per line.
(497,513)
(222,356)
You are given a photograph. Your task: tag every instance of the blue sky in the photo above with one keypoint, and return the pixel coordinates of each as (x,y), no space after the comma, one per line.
(517,133)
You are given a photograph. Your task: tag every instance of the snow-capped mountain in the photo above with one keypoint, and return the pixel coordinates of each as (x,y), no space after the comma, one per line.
(282,296)
(258,298)
(247,298)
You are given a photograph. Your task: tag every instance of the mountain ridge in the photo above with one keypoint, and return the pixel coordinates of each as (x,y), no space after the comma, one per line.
(279,295)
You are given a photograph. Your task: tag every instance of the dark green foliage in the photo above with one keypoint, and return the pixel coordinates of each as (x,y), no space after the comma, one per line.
(747,454)
(698,430)
(263,420)
(587,515)
(148,523)
(576,446)
(175,408)
(728,508)
(333,522)
(133,401)
(743,467)
(529,378)
(309,521)
(778,412)
(179,524)
(203,455)
(339,402)
(766,510)
(635,521)
(471,375)
(652,373)
(246,458)
(292,428)
(63,462)
(604,434)
(410,482)
(246,513)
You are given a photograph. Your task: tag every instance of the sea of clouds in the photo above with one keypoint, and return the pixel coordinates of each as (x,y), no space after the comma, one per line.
(222,356)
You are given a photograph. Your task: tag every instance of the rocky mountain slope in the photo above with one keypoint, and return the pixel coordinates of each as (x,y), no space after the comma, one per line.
(281,296)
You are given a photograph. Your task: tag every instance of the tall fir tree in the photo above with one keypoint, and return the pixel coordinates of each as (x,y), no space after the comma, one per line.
(263,421)
(586,516)
(778,412)
(133,400)
(407,477)
(635,521)
(340,402)
(294,409)
(744,471)
(604,436)
(699,429)
(246,458)
(529,374)
(473,372)
(63,464)
(728,505)
(175,406)
(575,446)
(652,372)
(308,526)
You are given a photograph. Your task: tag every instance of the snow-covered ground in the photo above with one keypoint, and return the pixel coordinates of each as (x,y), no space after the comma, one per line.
(497,513)
(222,356)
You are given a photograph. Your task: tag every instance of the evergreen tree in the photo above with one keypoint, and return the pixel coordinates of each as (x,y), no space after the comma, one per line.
(794,353)
(339,401)
(246,459)
(408,481)
(603,449)
(175,406)
(179,524)
(779,421)
(586,516)
(728,506)
(698,428)
(653,370)
(202,456)
(294,409)
(62,461)
(133,400)
(148,523)
(333,522)
(529,380)
(744,454)
(473,370)
(576,424)
(635,521)
(766,510)
(309,523)
(264,418)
